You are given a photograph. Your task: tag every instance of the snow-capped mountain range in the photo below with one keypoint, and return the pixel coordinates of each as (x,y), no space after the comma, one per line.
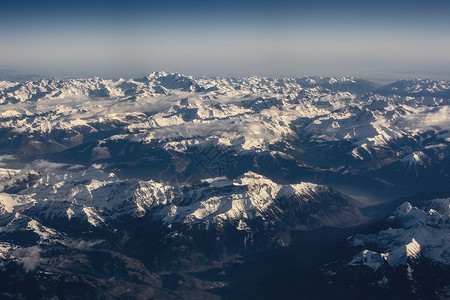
(173,173)
(414,232)
(93,198)
(404,255)
(245,113)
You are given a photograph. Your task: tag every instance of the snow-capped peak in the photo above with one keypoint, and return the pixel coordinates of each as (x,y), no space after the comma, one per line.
(418,232)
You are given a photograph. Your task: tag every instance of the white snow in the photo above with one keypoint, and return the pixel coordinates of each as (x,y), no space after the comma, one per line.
(93,217)
(249,113)
(368,258)
(422,232)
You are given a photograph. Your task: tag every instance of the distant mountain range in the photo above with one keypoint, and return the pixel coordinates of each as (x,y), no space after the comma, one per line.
(9,75)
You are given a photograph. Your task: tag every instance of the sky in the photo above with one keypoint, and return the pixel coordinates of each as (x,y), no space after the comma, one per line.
(376,40)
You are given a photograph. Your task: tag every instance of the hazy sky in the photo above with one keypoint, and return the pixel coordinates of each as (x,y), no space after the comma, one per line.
(371,39)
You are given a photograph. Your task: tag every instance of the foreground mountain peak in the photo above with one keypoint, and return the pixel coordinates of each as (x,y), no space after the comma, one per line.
(417,232)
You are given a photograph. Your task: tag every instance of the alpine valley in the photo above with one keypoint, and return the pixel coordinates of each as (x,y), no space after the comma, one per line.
(171,186)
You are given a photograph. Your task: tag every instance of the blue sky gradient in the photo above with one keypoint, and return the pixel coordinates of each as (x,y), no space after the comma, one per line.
(377,40)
